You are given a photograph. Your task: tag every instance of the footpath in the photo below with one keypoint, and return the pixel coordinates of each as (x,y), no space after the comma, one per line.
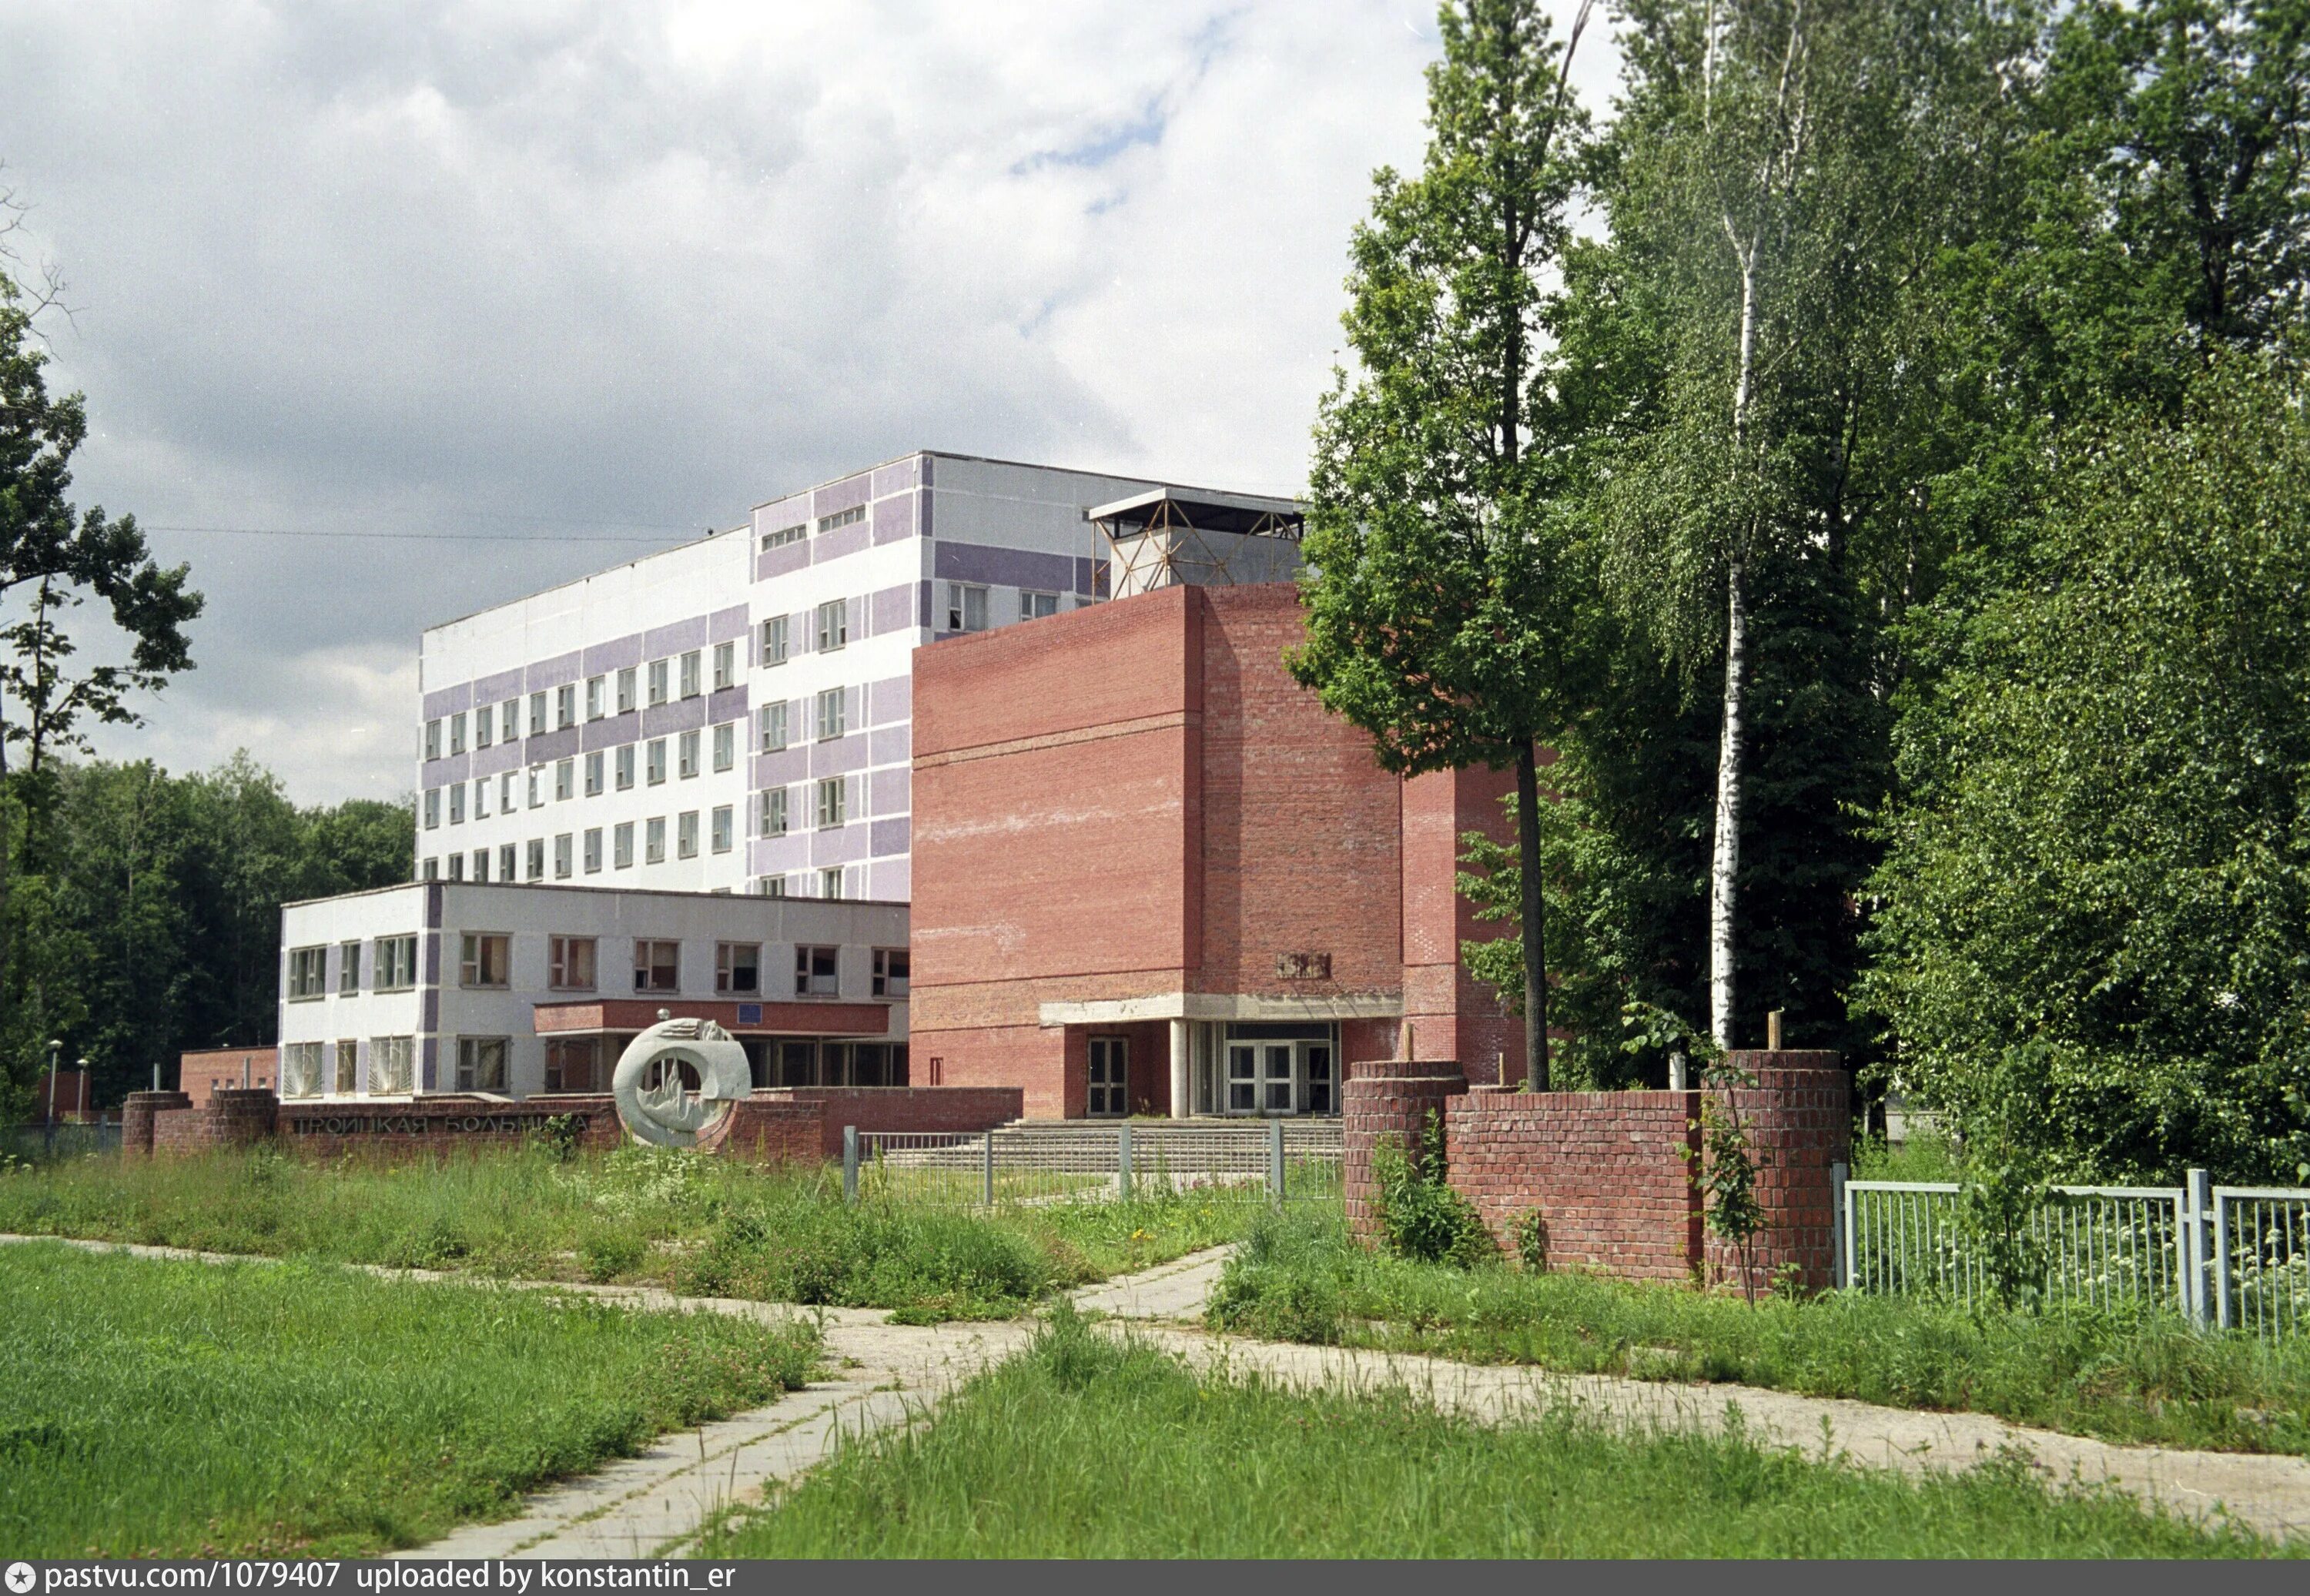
(886,1376)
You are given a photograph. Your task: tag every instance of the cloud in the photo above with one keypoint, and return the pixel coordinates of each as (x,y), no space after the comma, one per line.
(597,271)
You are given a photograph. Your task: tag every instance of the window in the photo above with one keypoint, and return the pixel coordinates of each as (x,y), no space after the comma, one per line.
(537,714)
(815,969)
(774,812)
(457,867)
(510,720)
(536,785)
(569,963)
(829,714)
(657,965)
(1034,606)
(396,963)
(657,761)
(594,851)
(597,693)
(685,835)
(485,720)
(738,967)
(657,680)
(573,1064)
(773,886)
(833,625)
(481,1064)
(484,958)
(536,859)
(482,799)
(849,517)
(391,1065)
(829,882)
(458,804)
(594,774)
(829,802)
(724,828)
(429,870)
(565,780)
(890,972)
(505,861)
(654,840)
(563,855)
(305,967)
(432,739)
(966,607)
(626,691)
(480,865)
(773,640)
(621,847)
(565,706)
(432,808)
(505,794)
(725,666)
(785,536)
(725,745)
(300,1069)
(625,767)
(457,732)
(691,685)
(686,755)
(348,1071)
(772,721)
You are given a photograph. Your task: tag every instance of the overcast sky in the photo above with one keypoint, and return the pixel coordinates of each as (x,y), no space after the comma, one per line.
(571,273)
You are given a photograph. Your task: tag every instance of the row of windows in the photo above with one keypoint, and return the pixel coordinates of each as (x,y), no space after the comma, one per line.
(601,767)
(526,861)
(572,964)
(661,678)
(783,535)
(572,1064)
(393,964)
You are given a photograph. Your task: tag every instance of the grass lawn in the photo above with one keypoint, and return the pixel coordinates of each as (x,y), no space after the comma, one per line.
(1300,1277)
(700,1225)
(1085,1449)
(168,1410)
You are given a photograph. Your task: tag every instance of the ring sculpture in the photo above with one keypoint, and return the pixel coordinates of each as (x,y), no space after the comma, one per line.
(670,1113)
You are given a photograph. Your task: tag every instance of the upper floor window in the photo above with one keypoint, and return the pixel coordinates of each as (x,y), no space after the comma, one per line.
(849,517)
(966,607)
(484,958)
(569,963)
(658,678)
(724,823)
(773,640)
(562,856)
(774,812)
(654,840)
(432,807)
(657,965)
(656,760)
(725,666)
(537,727)
(738,967)
(889,972)
(565,706)
(687,754)
(691,684)
(785,536)
(432,739)
(814,972)
(621,847)
(625,765)
(772,719)
(396,963)
(349,967)
(306,971)
(485,720)
(1034,606)
(594,773)
(725,745)
(829,882)
(457,732)
(833,625)
(829,802)
(596,697)
(685,834)
(508,720)
(458,804)
(829,714)
(534,864)
(626,690)
(565,780)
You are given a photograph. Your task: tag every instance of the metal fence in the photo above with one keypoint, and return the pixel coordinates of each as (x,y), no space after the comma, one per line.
(1271,1161)
(2232,1256)
(66,1139)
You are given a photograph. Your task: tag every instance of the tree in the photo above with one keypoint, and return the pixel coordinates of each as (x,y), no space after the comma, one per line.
(1439,577)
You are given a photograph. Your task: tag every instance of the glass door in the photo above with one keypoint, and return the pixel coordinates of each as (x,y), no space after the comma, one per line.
(1110,1077)
(1321,1094)
(1275,1077)
(1243,1078)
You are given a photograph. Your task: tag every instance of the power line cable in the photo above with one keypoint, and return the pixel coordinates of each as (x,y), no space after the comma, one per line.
(432,537)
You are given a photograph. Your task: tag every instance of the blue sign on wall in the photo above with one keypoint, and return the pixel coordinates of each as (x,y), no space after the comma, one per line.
(749,1013)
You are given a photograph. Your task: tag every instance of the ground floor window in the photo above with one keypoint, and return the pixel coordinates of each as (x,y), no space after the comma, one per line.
(573,1064)
(806,1060)
(300,1069)
(481,1064)
(1110,1095)
(391,1065)
(348,1068)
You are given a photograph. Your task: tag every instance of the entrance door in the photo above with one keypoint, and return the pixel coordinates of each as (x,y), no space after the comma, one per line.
(1322,1096)
(1110,1077)
(1276,1082)
(1243,1078)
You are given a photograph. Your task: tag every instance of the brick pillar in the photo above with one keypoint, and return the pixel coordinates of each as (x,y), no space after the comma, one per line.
(1799,1118)
(241,1118)
(1387,1098)
(136,1112)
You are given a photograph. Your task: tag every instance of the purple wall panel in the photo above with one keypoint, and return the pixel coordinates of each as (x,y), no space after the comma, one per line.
(782,514)
(897,476)
(894,518)
(684,635)
(491,690)
(923,589)
(890,610)
(550,746)
(682,715)
(892,745)
(841,495)
(838,755)
(889,880)
(440,773)
(889,837)
(497,757)
(778,561)
(790,852)
(1012,568)
(614,731)
(841,845)
(1084,575)
(788,764)
(841,541)
(724,625)
(555,672)
(729,704)
(448,700)
(891,794)
(893,699)
(614,655)
(429,1063)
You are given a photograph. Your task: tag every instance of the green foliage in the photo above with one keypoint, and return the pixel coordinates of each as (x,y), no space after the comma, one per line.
(1087,1447)
(2150,1377)
(2092,918)
(1728,1163)
(1532,1241)
(161,1409)
(1421,1214)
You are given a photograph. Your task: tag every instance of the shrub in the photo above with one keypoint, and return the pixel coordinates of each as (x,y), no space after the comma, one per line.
(1420,1214)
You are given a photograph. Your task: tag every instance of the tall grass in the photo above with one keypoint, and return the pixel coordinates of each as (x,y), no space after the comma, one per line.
(695,1223)
(2146,1377)
(156,1408)
(1083,1448)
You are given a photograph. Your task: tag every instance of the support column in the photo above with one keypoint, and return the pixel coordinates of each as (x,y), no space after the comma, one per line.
(1179,1085)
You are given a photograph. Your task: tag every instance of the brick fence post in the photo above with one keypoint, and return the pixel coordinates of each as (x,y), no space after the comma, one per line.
(240,1116)
(1800,1123)
(136,1112)
(1387,1098)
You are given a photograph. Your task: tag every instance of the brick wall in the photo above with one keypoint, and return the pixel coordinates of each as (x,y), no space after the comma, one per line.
(1453,1015)
(1798,1120)
(764,1128)
(200,1073)
(136,1114)
(439,1124)
(228,1118)
(1387,1099)
(898,1108)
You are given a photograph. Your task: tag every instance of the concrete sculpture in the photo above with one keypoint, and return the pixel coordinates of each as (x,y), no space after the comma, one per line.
(654,1088)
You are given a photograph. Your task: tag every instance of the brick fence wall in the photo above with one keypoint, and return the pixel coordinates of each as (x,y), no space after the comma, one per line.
(1387,1099)
(1798,1120)
(136,1112)
(964,1108)
(229,1118)
(440,1124)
